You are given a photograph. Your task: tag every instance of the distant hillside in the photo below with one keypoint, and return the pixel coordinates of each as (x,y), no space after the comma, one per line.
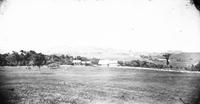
(185,59)
(177,59)
(91,52)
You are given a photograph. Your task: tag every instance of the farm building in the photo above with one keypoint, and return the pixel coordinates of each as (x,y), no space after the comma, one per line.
(76,62)
(162,60)
(108,63)
(86,62)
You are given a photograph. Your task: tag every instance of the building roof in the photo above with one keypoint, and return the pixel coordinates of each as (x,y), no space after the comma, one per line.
(108,62)
(76,61)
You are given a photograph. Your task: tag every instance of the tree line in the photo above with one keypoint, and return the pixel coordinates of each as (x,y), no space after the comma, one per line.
(32,58)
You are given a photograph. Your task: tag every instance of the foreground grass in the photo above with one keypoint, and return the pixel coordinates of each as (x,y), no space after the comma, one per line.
(95,85)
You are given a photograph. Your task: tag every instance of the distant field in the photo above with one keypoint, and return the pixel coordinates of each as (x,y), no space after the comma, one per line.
(96,85)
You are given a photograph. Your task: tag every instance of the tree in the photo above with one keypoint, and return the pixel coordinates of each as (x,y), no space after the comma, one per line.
(16,57)
(197,66)
(54,58)
(95,61)
(81,58)
(3,61)
(167,56)
(39,59)
(13,59)
(27,57)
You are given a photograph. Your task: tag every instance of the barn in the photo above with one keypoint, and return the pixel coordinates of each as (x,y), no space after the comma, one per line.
(76,62)
(86,63)
(108,63)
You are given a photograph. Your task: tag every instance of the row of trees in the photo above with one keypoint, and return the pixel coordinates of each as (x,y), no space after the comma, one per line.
(139,63)
(32,58)
(28,58)
(23,58)
(196,67)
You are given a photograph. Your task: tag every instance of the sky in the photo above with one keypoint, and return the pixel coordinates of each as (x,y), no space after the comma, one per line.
(138,25)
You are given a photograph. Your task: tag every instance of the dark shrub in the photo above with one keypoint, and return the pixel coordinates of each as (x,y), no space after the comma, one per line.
(95,61)
(121,63)
(197,66)
(135,63)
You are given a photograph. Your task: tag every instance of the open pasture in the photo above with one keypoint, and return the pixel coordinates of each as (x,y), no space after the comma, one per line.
(97,85)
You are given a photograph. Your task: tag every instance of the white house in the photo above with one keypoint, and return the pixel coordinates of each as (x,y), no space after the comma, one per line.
(108,63)
(86,62)
(162,60)
(76,62)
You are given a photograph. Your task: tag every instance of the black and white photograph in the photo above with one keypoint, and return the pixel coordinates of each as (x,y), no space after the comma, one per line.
(99,51)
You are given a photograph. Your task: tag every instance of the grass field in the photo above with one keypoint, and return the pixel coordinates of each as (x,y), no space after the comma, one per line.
(97,85)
